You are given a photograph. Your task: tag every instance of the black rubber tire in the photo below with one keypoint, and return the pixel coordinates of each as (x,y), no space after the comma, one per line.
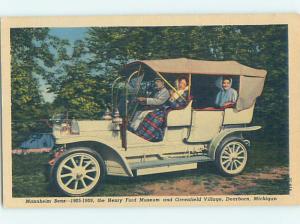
(90,152)
(218,157)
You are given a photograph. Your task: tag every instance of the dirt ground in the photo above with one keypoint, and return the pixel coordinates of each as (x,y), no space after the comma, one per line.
(209,185)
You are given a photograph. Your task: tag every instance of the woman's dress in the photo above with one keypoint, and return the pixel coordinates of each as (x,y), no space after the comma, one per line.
(225,96)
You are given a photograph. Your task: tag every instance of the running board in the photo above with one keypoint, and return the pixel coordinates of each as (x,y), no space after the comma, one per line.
(169,162)
(165,169)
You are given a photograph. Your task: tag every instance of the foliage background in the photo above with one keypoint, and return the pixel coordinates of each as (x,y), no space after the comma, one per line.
(79,74)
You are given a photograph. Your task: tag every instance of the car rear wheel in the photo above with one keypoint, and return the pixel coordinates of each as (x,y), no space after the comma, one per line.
(231,157)
(79,172)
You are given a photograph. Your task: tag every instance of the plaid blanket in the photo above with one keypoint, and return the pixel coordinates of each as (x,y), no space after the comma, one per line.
(153,126)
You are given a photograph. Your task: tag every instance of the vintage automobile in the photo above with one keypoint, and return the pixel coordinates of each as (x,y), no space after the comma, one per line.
(88,150)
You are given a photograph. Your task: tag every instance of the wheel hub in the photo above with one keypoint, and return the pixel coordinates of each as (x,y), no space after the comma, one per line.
(233,156)
(79,176)
(78,173)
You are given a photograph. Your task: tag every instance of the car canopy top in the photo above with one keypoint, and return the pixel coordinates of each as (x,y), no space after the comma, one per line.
(251,79)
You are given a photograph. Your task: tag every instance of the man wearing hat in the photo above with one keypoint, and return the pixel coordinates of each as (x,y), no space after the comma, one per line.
(160,97)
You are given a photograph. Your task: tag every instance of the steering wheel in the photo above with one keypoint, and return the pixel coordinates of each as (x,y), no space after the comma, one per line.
(133,100)
(137,106)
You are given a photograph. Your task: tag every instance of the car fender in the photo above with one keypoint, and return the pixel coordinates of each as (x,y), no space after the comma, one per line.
(107,150)
(226,134)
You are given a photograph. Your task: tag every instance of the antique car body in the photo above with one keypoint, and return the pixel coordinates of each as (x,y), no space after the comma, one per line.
(95,148)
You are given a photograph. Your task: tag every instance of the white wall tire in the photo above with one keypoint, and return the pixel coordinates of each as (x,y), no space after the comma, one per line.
(78,172)
(232,157)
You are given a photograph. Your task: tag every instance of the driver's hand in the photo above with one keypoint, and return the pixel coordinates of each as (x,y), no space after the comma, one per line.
(142,99)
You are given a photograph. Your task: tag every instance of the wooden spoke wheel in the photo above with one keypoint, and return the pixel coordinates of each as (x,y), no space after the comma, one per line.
(231,158)
(79,172)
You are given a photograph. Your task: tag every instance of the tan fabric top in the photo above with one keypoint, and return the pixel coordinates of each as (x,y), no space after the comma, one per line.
(190,66)
(251,81)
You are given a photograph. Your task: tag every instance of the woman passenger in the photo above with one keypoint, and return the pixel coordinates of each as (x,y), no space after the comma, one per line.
(179,98)
(227,96)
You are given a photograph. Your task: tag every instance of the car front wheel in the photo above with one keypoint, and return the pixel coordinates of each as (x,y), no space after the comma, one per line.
(78,172)
(231,158)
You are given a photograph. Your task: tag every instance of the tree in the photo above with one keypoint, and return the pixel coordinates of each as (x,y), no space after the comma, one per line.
(31,59)
(80,91)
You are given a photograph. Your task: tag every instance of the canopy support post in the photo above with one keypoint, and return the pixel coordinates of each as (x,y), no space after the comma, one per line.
(190,82)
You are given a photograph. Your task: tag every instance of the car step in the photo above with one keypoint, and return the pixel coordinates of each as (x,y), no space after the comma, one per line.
(169,162)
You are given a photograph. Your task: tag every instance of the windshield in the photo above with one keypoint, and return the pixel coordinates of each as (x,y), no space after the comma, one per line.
(130,89)
(133,91)
(137,84)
